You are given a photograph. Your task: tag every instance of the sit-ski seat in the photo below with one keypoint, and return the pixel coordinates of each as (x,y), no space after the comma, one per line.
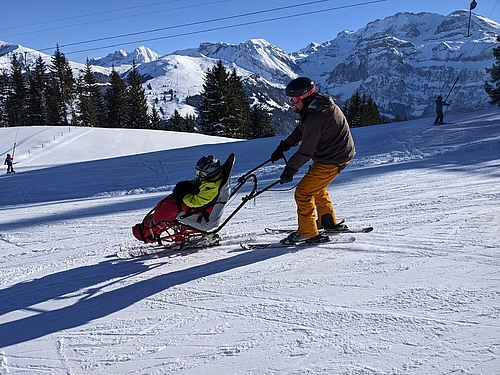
(199,218)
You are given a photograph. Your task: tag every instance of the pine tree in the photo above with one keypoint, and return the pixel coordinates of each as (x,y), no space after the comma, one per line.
(155,119)
(137,106)
(16,104)
(91,106)
(493,88)
(361,111)
(37,78)
(175,122)
(352,110)
(261,121)
(61,90)
(4,91)
(370,115)
(116,100)
(239,109)
(56,110)
(224,109)
(189,124)
(214,110)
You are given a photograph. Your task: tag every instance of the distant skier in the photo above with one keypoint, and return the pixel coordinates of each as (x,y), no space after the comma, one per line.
(439,110)
(8,162)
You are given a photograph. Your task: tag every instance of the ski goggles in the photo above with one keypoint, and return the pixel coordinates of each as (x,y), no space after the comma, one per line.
(293,100)
(201,175)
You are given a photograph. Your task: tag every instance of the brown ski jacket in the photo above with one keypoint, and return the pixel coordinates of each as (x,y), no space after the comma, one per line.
(323,134)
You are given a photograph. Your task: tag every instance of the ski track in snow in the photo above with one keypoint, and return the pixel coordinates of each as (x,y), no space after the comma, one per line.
(418,295)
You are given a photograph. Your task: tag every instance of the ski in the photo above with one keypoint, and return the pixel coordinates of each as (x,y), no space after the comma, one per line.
(349,230)
(333,232)
(158,251)
(279,244)
(140,252)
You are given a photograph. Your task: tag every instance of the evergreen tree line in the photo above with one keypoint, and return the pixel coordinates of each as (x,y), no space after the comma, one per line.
(51,95)
(361,110)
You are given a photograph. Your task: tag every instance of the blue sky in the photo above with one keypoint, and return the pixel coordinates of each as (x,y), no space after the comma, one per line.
(92,28)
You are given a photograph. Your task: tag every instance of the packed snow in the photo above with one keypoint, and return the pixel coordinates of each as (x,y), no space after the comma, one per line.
(418,295)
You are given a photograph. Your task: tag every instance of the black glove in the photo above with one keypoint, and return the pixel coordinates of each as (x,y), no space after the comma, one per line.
(183,188)
(287,175)
(279,152)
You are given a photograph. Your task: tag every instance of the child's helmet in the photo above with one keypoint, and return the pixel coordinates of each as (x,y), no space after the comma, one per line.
(207,167)
(439,97)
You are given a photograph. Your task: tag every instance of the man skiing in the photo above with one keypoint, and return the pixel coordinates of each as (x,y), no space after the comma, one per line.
(324,136)
(439,110)
(9,160)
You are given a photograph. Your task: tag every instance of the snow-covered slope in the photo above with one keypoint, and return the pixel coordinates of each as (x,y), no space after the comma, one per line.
(419,295)
(39,146)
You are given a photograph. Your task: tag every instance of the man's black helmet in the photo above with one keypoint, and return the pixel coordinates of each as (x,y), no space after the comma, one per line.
(207,167)
(439,97)
(300,87)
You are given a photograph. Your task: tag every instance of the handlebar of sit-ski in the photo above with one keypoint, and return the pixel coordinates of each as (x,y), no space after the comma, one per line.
(253,194)
(259,192)
(243,178)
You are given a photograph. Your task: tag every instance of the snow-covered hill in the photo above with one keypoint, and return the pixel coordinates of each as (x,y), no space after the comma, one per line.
(419,295)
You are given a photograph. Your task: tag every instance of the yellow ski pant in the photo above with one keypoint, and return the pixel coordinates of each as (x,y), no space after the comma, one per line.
(313,199)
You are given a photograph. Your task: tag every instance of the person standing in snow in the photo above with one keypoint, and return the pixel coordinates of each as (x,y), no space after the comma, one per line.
(439,110)
(325,137)
(8,162)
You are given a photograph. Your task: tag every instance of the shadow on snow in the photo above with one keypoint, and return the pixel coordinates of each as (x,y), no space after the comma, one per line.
(95,304)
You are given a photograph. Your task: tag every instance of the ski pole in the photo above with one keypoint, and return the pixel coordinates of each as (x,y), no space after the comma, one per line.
(449,92)
(15,143)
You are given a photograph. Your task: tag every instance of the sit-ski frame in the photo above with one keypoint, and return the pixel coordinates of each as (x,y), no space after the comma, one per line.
(180,233)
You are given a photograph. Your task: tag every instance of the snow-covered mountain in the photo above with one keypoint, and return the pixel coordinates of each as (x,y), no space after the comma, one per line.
(403,62)
(28,56)
(140,55)
(256,55)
